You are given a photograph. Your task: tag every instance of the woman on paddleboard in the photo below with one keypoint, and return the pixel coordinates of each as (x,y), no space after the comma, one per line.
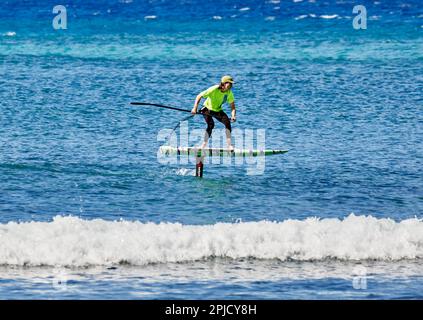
(216,96)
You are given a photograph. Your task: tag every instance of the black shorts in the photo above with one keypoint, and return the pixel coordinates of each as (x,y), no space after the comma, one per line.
(221,116)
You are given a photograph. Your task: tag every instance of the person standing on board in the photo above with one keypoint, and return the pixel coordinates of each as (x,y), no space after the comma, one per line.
(216,96)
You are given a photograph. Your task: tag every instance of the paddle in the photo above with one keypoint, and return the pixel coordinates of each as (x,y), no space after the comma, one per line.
(173,108)
(160,106)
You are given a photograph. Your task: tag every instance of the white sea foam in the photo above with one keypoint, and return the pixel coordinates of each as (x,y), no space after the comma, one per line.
(185,172)
(327,16)
(150,17)
(70,241)
(303,16)
(244,9)
(10,34)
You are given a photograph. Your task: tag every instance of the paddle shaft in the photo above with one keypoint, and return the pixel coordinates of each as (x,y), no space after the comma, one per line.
(159,106)
(171,108)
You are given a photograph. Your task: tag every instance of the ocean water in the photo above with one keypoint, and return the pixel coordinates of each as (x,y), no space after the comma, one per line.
(88,210)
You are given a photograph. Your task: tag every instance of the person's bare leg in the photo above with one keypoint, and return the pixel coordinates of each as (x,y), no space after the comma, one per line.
(229,140)
(207,134)
(206,140)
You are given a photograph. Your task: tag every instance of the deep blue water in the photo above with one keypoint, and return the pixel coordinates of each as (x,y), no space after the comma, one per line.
(346,103)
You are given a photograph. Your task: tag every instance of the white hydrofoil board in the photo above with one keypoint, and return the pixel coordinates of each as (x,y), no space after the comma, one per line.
(217,152)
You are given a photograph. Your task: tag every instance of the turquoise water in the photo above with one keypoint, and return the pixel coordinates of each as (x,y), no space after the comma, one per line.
(346,103)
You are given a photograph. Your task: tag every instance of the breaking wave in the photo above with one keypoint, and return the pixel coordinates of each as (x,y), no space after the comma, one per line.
(71,241)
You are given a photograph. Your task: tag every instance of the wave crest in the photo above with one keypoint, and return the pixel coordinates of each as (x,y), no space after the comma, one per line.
(71,241)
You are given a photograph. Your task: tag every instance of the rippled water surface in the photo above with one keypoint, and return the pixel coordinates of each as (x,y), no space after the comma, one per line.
(346,201)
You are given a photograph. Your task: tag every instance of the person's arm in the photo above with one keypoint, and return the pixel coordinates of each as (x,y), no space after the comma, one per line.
(233,114)
(196,103)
